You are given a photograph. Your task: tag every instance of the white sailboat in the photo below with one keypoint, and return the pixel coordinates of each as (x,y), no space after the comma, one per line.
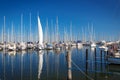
(65,41)
(30,44)
(21,45)
(48,45)
(40,33)
(57,45)
(103,46)
(12,44)
(93,44)
(92,36)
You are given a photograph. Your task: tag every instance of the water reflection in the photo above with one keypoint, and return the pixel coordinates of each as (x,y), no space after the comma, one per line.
(92,49)
(21,57)
(40,64)
(57,65)
(30,65)
(47,61)
(12,53)
(4,68)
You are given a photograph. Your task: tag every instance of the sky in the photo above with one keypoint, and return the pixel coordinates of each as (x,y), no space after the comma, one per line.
(104,15)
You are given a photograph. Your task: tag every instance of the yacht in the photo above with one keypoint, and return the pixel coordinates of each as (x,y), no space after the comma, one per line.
(93,44)
(11,46)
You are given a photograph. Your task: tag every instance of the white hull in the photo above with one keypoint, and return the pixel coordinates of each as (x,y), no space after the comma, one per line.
(104,47)
(117,55)
(73,44)
(11,46)
(30,46)
(21,46)
(49,47)
(93,45)
(39,47)
(57,48)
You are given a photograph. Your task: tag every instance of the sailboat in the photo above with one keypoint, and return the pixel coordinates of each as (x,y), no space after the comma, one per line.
(40,33)
(12,45)
(21,45)
(103,45)
(92,36)
(93,44)
(48,44)
(57,45)
(30,44)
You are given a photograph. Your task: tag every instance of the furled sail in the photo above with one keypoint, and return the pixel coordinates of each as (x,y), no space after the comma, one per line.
(40,32)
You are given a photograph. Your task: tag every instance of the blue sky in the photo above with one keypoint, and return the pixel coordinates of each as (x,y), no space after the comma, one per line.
(103,14)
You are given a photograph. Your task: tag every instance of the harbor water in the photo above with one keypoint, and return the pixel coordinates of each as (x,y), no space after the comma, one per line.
(74,64)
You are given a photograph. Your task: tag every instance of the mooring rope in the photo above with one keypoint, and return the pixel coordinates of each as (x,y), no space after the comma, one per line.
(82,71)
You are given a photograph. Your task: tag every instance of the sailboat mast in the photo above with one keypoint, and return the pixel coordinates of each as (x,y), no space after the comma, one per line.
(47,32)
(8,38)
(21,25)
(52,37)
(92,35)
(57,35)
(12,36)
(71,31)
(4,31)
(2,35)
(30,27)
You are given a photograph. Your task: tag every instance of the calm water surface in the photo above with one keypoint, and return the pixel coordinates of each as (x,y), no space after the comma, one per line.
(57,65)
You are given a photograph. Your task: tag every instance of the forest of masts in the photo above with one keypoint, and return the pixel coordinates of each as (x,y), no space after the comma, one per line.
(51,33)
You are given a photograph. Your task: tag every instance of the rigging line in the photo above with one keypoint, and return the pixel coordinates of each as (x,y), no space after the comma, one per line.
(82,71)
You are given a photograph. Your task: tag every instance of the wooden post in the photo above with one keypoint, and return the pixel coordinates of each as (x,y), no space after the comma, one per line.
(107,53)
(107,56)
(95,54)
(101,55)
(86,60)
(69,77)
(101,59)
(95,50)
(86,54)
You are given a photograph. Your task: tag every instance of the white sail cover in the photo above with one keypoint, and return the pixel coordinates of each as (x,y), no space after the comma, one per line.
(40,32)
